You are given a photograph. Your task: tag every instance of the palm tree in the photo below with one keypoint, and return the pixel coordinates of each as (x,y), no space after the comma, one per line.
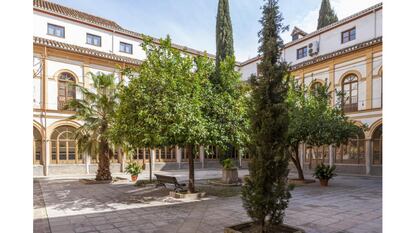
(96,110)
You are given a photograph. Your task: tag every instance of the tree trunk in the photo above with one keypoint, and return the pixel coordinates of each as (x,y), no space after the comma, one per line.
(262,225)
(296,161)
(310,158)
(104,172)
(191,187)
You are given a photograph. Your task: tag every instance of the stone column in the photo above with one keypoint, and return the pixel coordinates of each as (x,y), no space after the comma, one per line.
(47,158)
(331,155)
(87,162)
(123,159)
(368,156)
(178,152)
(240,157)
(202,156)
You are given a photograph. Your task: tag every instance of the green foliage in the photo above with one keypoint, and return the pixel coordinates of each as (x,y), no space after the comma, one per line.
(228,163)
(227,108)
(327,15)
(165,104)
(133,168)
(96,109)
(227,103)
(224,33)
(266,192)
(314,121)
(324,172)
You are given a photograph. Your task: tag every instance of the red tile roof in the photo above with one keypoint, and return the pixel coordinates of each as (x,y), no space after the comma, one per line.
(72,13)
(56,9)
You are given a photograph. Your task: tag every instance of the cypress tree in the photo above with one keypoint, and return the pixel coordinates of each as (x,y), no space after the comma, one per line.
(224,33)
(326,14)
(266,194)
(225,110)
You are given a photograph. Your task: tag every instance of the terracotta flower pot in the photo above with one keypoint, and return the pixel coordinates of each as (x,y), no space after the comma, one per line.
(323,182)
(134,178)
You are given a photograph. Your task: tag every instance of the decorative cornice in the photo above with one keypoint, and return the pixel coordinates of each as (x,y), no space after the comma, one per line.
(83,50)
(340,52)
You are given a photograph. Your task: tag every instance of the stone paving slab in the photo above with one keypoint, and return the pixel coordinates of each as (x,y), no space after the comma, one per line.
(350,204)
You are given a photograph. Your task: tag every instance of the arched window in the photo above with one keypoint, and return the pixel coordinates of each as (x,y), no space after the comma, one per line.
(66,89)
(350,91)
(377,145)
(37,146)
(315,87)
(353,152)
(64,146)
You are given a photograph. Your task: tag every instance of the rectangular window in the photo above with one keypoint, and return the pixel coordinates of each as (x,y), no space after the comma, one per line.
(302,52)
(93,39)
(55,30)
(348,35)
(125,47)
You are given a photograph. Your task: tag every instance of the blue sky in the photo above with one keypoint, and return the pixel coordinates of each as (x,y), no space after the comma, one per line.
(192,22)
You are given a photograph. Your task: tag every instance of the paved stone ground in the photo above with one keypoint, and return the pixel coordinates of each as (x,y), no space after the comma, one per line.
(349,204)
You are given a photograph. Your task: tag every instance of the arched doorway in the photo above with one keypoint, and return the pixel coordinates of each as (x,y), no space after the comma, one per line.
(37,147)
(63,146)
(377,146)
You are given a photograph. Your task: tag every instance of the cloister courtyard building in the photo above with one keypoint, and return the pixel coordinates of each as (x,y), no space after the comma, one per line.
(68,44)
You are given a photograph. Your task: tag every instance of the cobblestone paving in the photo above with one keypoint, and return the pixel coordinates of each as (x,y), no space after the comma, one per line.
(349,205)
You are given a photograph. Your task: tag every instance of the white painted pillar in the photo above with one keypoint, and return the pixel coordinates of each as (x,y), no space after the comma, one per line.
(123,159)
(331,155)
(47,158)
(152,157)
(178,155)
(201,149)
(87,157)
(240,157)
(368,156)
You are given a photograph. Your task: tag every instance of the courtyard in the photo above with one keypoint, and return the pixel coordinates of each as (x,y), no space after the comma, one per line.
(64,204)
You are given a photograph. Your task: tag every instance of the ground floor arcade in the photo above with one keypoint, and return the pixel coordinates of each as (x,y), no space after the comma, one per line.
(55,153)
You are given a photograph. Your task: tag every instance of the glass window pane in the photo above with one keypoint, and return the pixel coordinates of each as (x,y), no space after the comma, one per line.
(62,150)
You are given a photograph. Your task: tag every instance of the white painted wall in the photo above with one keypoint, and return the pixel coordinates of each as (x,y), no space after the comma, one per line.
(75,33)
(248,70)
(362,96)
(37,92)
(358,64)
(367,28)
(376,93)
(322,75)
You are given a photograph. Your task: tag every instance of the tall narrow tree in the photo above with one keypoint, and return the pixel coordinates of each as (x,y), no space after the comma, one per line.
(227,109)
(224,33)
(326,14)
(266,194)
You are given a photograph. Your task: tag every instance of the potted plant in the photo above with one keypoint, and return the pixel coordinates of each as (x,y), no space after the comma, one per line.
(324,173)
(133,168)
(230,174)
